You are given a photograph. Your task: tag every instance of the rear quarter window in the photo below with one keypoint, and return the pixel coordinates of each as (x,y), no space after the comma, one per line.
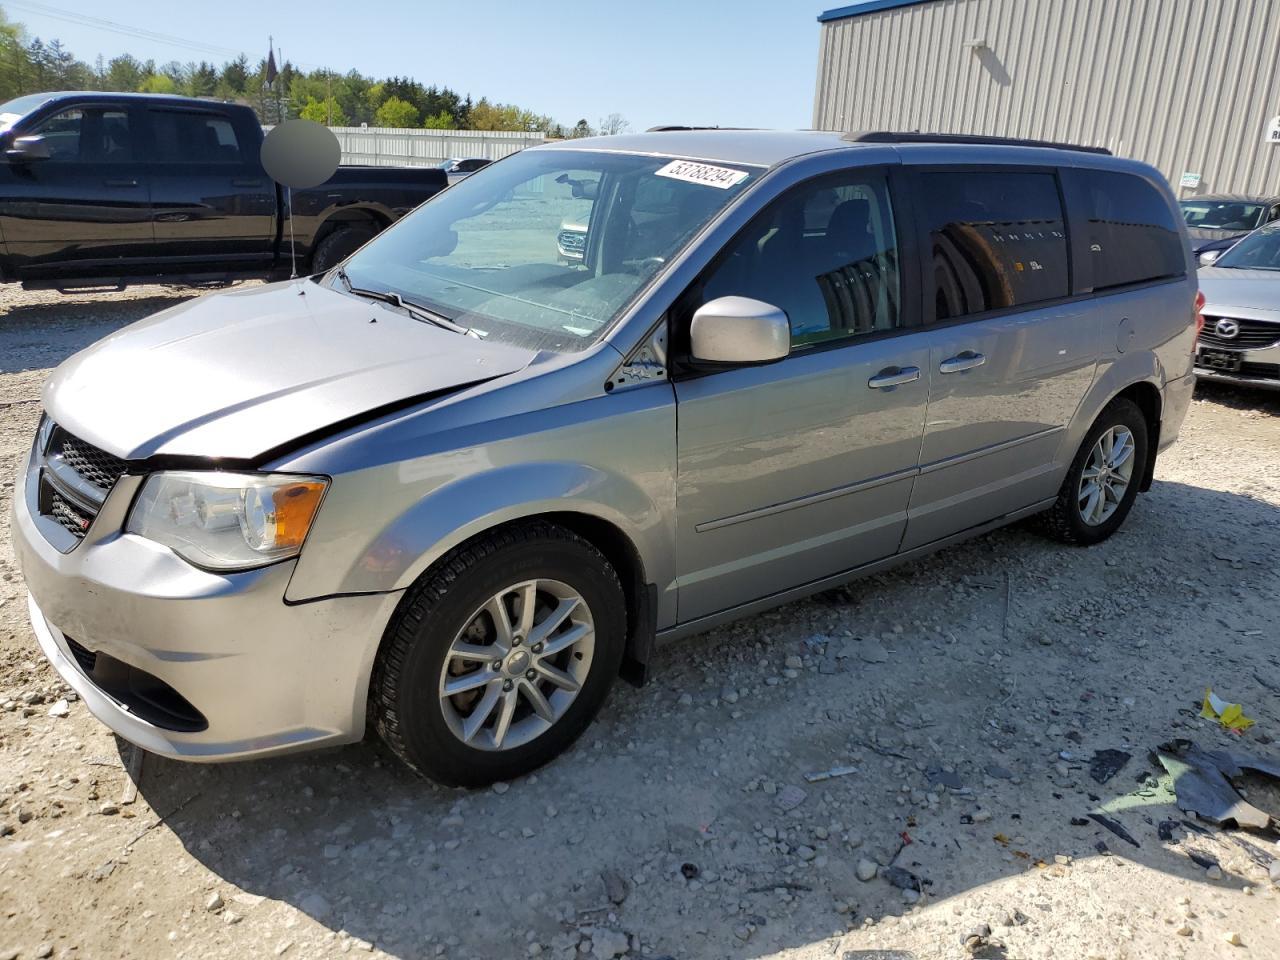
(997,240)
(1131,232)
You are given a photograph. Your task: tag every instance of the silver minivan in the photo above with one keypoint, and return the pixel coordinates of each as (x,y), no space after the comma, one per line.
(458,485)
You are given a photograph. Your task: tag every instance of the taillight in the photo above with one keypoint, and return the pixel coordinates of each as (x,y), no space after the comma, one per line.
(1199,312)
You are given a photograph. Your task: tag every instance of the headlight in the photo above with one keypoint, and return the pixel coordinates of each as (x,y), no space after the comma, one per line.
(227,521)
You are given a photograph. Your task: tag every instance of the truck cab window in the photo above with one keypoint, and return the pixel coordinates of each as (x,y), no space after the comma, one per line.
(194,137)
(61,133)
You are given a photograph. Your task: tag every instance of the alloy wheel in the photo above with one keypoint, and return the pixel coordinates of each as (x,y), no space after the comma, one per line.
(517,665)
(1106,476)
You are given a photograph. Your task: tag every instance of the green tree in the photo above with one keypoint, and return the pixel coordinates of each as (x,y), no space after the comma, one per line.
(202,79)
(327,111)
(395,112)
(124,73)
(234,78)
(440,121)
(158,83)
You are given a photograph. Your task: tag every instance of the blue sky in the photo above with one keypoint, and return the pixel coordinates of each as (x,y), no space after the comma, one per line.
(743,63)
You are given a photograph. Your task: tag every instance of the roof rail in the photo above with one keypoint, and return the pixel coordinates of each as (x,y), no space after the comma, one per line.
(669,127)
(888,136)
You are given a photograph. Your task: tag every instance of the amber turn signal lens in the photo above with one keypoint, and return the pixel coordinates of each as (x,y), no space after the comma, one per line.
(296,506)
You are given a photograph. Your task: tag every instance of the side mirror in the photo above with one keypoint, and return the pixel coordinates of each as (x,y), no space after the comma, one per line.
(1210,257)
(28,148)
(739,330)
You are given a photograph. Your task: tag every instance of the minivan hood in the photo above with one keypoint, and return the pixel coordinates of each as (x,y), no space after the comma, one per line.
(235,375)
(1253,290)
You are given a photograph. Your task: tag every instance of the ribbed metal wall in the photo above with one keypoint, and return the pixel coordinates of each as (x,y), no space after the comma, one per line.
(1186,85)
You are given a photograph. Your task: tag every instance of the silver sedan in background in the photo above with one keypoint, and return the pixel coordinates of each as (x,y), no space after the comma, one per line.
(1240,342)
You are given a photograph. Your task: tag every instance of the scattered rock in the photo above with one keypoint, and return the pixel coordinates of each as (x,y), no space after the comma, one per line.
(1214,873)
(616,886)
(60,709)
(869,651)
(214,903)
(607,944)
(866,869)
(997,772)
(1233,938)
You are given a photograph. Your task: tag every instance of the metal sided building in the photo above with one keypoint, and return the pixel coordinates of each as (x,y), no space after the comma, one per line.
(1190,86)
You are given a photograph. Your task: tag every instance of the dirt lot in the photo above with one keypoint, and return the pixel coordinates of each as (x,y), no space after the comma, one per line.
(970,691)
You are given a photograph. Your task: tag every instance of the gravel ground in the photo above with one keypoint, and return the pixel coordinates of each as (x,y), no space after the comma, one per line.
(969,691)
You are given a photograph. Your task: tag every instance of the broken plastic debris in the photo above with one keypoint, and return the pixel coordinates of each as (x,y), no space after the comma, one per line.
(829,774)
(1106,764)
(1230,715)
(1201,782)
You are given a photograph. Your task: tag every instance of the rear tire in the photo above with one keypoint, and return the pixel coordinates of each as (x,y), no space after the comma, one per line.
(340,244)
(447,634)
(1097,494)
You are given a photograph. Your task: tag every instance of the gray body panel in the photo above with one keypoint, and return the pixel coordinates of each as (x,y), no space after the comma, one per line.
(736,489)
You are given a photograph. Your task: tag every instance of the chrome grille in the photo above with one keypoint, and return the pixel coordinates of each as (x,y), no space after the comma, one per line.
(100,468)
(69,516)
(75,478)
(571,241)
(1251,335)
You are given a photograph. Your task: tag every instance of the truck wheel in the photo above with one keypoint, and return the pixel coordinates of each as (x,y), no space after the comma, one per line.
(340,244)
(500,655)
(1102,483)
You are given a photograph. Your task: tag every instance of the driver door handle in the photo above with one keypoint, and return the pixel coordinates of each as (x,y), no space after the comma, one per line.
(894,377)
(962,362)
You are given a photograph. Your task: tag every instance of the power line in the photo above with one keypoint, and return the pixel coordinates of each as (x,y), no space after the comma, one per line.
(68,16)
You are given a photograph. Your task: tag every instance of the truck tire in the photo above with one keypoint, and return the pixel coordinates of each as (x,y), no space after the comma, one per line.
(340,244)
(1102,482)
(501,654)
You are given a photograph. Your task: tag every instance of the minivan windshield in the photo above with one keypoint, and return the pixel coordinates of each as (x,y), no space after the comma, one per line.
(1260,250)
(1222,214)
(546,248)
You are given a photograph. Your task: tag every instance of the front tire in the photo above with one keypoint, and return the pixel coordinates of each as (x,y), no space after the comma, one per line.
(1102,482)
(340,244)
(500,655)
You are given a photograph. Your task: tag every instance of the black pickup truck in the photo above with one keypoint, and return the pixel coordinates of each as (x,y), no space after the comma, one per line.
(106,189)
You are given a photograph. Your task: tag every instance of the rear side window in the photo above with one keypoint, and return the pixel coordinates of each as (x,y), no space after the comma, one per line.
(193,137)
(1132,232)
(997,240)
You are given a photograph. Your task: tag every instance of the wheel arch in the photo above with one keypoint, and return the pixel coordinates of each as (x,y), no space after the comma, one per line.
(346,216)
(1146,397)
(618,548)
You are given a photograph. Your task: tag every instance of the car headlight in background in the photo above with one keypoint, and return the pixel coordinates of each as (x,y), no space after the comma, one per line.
(227,521)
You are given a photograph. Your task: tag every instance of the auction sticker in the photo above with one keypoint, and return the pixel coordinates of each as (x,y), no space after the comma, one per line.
(704,173)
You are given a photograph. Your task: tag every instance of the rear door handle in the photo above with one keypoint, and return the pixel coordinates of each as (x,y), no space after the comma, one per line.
(962,362)
(120,183)
(893,377)
(246,182)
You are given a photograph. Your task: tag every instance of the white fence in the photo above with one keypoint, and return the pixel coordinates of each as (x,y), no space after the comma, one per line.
(401,147)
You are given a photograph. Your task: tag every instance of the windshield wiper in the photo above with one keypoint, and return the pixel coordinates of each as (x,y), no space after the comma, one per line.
(415,310)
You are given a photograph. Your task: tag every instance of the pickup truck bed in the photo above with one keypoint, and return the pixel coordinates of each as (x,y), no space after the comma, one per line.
(106,189)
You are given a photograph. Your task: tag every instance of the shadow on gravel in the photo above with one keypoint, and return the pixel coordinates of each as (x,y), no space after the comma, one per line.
(970,705)
(1239,398)
(45,332)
